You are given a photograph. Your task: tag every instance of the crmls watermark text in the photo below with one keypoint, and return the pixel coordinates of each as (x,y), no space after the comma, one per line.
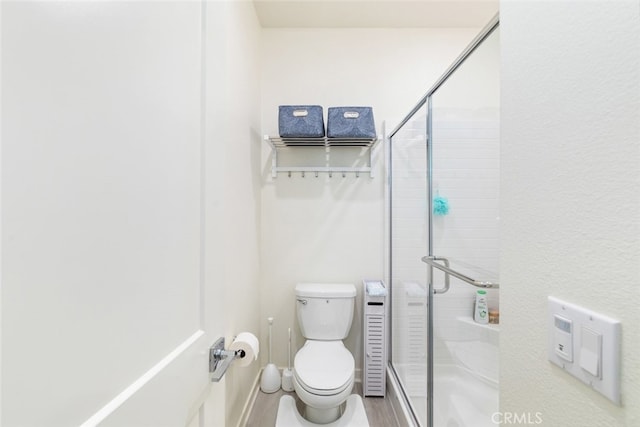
(517,418)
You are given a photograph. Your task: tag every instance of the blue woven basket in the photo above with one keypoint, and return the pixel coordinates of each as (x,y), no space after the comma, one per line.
(350,122)
(300,121)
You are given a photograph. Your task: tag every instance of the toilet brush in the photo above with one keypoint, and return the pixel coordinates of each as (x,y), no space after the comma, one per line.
(270,381)
(287,374)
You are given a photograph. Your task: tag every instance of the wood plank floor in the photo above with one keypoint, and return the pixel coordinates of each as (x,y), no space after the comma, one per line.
(264,411)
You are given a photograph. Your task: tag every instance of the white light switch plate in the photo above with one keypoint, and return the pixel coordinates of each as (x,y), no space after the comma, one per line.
(595,341)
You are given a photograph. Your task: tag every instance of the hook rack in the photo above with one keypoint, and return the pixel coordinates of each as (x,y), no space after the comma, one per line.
(277,143)
(330,173)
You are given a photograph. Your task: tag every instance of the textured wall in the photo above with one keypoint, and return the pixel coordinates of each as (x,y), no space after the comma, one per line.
(570,196)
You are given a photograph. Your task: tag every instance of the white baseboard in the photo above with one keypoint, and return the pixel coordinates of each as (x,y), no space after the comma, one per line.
(248,406)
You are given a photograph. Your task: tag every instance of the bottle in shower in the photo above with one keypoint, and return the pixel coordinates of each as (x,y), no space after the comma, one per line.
(481,312)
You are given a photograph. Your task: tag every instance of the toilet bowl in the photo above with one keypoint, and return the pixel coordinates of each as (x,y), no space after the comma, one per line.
(323,378)
(324,370)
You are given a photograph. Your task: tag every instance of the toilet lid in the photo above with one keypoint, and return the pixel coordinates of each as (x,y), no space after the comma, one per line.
(324,365)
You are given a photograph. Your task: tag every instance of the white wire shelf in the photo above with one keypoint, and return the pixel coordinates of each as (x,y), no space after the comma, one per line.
(328,144)
(280,142)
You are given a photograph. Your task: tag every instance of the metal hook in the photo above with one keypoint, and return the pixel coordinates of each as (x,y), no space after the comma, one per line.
(357,174)
(289,174)
(344,175)
(316,174)
(330,174)
(303,174)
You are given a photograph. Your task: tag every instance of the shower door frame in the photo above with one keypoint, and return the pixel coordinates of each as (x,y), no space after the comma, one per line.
(492,25)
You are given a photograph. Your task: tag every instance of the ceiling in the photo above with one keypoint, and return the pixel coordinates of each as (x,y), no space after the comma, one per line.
(375,14)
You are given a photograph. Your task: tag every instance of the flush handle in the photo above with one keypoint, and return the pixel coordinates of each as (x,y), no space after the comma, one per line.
(302,301)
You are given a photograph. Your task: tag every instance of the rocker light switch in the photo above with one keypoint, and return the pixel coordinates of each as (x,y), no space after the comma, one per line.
(590,352)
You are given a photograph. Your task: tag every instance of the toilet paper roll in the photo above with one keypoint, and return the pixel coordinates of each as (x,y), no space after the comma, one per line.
(248,343)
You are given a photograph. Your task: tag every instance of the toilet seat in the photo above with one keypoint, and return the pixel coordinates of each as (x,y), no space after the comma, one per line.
(324,368)
(327,392)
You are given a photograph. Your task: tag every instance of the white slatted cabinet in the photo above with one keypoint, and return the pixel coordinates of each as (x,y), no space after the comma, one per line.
(375,348)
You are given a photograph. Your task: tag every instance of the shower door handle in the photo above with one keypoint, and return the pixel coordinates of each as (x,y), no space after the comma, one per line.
(445,288)
(431,260)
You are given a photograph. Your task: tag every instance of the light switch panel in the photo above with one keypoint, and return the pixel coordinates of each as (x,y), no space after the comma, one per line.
(586,345)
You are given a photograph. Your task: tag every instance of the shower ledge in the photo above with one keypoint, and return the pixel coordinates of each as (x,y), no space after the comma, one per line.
(469,320)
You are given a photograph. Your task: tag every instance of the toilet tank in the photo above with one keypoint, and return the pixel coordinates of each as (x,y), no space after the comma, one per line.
(325,311)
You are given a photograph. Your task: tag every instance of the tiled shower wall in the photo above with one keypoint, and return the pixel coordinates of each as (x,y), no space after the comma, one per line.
(466,162)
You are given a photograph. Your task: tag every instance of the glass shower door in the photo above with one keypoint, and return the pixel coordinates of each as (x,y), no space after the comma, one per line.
(444,161)
(409,227)
(464,123)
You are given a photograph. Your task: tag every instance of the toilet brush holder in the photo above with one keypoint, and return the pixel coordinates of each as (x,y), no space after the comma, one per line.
(287,380)
(287,374)
(270,380)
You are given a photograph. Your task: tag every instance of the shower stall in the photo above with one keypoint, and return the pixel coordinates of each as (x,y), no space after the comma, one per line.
(443,201)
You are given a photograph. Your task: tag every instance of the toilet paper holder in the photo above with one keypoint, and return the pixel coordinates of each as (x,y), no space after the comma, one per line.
(220,359)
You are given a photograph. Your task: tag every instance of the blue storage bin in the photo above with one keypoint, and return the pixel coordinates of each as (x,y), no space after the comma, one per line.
(350,122)
(300,121)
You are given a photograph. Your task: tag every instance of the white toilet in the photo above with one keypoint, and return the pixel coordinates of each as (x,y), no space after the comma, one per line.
(323,368)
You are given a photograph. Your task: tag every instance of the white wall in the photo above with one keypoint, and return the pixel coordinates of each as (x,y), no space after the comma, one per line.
(570,196)
(234,181)
(331,230)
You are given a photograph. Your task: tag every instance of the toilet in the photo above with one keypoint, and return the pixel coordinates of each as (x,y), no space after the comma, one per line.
(324,369)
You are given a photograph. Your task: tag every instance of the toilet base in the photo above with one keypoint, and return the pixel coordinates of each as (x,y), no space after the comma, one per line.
(354,414)
(321,416)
